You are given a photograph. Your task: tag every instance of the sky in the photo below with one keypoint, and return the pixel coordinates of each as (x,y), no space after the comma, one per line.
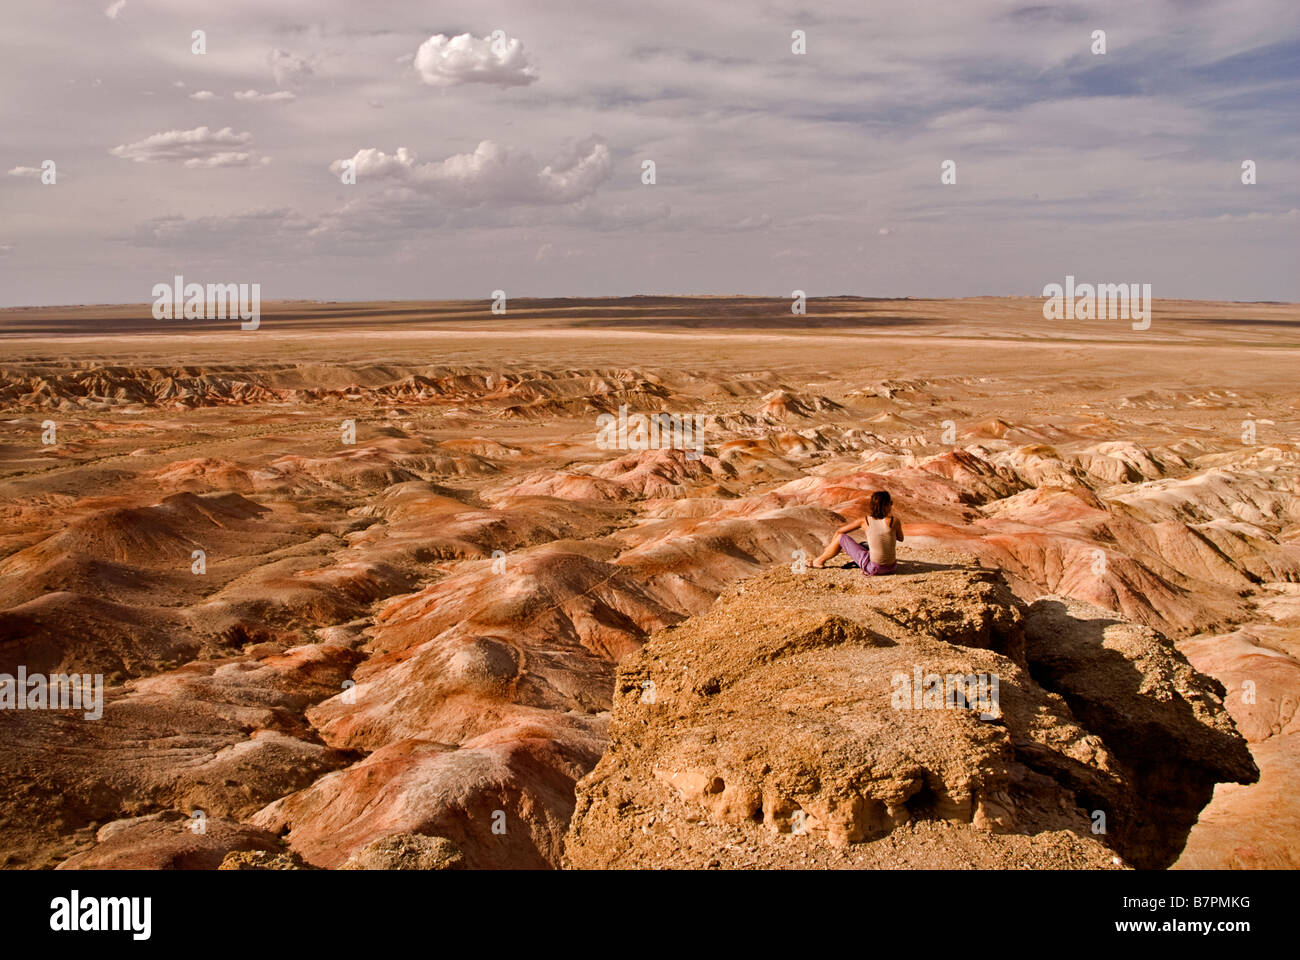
(503,146)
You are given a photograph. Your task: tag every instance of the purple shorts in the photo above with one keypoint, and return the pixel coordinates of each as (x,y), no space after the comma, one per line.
(862,557)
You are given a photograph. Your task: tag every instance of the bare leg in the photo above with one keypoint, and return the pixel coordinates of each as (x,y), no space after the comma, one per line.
(832,548)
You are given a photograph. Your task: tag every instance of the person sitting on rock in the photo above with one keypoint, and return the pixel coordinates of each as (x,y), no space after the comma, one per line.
(876,557)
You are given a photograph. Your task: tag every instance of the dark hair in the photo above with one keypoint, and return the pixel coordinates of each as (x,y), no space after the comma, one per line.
(878,505)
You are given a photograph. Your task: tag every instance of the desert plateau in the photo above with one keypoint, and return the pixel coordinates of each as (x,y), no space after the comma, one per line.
(367,588)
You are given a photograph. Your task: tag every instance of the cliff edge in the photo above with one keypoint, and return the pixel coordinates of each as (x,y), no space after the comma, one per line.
(930,719)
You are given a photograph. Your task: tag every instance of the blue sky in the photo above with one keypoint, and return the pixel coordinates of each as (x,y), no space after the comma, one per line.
(521,161)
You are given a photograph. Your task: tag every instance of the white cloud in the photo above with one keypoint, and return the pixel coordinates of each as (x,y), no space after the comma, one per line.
(114,8)
(252,96)
(492,173)
(289,70)
(25,172)
(200,147)
(5,249)
(204,95)
(371,163)
(445,61)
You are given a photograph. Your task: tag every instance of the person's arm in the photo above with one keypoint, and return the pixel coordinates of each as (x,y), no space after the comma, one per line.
(898,529)
(849,527)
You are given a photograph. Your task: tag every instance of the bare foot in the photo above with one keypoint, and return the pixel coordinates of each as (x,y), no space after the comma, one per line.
(819,563)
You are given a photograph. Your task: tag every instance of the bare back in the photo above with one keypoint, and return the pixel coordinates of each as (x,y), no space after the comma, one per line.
(880,539)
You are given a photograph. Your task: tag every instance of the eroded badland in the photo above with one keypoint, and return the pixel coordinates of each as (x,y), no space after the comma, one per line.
(430,641)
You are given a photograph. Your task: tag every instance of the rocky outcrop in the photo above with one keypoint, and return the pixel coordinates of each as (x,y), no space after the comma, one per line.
(263,860)
(819,719)
(169,840)
(407,851)
(1166,722)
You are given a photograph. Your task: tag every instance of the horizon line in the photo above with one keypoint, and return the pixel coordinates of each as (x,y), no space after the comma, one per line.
(634,296)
